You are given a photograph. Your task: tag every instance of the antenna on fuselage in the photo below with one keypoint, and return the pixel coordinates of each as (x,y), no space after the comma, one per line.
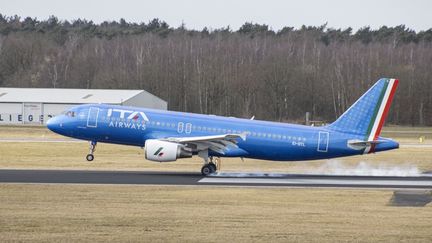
(253,117)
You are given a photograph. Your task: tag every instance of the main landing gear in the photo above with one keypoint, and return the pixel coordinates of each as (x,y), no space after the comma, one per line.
(211,165)
(208,169)
(90,156)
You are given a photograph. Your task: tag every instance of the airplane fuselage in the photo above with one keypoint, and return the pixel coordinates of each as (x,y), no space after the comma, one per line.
(264,140)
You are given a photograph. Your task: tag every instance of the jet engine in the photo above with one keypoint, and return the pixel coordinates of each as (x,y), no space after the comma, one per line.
(163,151)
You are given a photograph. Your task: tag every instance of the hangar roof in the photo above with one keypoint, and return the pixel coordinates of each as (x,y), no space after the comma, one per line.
(69,96)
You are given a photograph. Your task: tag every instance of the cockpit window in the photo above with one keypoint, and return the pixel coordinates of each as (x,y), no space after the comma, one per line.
(70,113)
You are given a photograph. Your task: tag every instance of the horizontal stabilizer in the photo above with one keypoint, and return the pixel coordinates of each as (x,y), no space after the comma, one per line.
(358,144)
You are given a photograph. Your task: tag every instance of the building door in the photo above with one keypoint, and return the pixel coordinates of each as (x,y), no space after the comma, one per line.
(92,118)
(32,113)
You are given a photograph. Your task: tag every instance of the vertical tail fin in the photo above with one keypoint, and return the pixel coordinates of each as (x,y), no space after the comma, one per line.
(367,115)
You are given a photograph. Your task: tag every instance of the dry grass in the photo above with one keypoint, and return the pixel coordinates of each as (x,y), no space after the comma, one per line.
(177,214)
(27,132)
(71,155)
(100,213)
(408,134)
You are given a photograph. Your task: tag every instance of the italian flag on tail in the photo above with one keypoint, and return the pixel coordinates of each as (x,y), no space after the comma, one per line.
(380,113)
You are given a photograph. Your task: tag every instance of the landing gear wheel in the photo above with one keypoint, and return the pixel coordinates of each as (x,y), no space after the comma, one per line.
(213,167)
(206,170)
(90,157)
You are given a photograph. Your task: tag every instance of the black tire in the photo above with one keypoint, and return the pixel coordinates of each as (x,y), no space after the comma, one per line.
(206,170)
(90,157)
(213,167)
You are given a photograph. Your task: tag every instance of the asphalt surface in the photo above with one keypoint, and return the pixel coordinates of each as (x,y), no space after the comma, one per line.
(220,179)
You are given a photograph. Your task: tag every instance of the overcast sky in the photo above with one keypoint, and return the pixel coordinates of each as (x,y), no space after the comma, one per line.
(197,14)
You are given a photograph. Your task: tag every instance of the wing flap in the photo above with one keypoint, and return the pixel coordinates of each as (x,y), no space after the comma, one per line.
(216,143)
(227,137)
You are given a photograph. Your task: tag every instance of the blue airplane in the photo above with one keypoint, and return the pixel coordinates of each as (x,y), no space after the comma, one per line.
(167,135)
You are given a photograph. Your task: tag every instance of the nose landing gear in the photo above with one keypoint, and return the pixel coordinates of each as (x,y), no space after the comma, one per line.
(90,156)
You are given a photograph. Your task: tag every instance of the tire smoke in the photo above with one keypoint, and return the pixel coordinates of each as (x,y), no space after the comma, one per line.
(335,167)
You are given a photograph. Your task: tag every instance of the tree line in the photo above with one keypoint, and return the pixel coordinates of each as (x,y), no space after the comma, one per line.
(252,71)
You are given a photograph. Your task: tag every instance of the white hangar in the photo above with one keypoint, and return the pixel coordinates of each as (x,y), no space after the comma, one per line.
(36,106)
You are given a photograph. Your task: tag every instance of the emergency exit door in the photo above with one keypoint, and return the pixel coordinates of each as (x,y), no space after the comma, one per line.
(323,140)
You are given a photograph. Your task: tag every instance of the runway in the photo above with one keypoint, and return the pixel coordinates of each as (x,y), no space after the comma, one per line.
(220,179)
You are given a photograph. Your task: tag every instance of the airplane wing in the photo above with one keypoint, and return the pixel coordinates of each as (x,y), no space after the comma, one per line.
(216,143)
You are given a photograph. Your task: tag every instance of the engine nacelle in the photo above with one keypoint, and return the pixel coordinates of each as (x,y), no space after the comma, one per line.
(163,151)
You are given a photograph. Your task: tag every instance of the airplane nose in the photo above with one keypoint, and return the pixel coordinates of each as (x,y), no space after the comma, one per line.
(53,124)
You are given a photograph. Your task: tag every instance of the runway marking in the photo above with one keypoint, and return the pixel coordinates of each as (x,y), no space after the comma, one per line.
(227,179)
(298,181)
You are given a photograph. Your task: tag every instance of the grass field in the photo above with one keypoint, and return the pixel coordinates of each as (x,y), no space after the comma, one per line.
(99,213)
(178,214)
(72,155)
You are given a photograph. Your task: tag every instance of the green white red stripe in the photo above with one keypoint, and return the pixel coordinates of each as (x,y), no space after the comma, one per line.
(381,112)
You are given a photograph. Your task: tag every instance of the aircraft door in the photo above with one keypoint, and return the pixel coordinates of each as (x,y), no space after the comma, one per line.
(92,118)
(323,140)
